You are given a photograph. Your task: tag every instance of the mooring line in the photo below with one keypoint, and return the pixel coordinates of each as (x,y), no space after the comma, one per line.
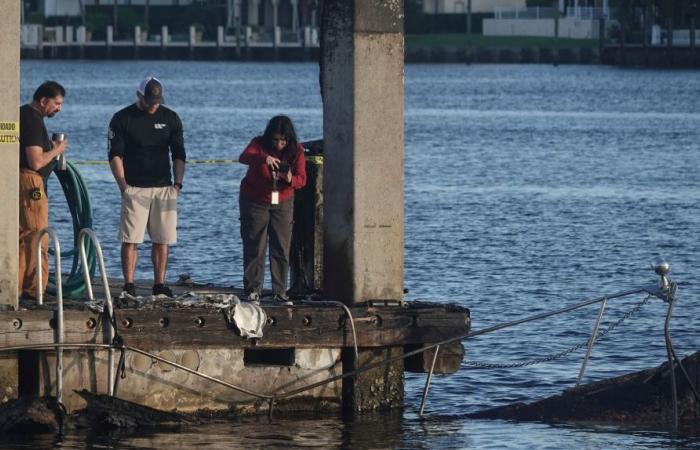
(349,314)
(97,162)
(563,353)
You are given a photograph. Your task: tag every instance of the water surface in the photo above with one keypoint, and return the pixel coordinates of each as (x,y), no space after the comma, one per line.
(527,188)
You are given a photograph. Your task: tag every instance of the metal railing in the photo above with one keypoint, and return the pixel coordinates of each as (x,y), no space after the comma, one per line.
(587,12)
(59,336)
(546,12)
(536,12)
(87,233)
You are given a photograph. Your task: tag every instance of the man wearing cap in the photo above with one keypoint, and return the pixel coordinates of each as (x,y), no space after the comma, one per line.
(143,138)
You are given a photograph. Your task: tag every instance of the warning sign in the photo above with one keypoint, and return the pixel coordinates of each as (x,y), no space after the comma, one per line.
(9,132)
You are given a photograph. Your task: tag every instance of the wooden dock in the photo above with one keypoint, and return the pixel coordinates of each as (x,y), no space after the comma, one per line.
(305,343)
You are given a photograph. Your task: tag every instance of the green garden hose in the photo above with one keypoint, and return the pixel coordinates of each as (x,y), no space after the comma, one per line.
(78,200)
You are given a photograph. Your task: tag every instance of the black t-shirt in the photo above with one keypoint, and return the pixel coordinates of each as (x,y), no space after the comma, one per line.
(32,133)
(144,142)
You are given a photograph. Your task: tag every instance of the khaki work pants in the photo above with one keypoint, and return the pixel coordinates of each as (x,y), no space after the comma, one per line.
(33,217)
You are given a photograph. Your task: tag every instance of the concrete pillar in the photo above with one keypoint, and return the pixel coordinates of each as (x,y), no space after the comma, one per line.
(137,35)
(238,22)
(164,35)
(219,36)
(295,15)
(381,388)
(362,88)
(81,35)
(307,37)
(9,148)
(253,12)
(69,34)
(192,36)
(110,35)
(59,35)
(277,36)
(275,12)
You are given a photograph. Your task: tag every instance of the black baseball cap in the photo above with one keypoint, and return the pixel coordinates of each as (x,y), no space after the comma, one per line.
(152,91)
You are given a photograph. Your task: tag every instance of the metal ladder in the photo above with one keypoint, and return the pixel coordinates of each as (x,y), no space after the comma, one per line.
(108,307)
(60,335)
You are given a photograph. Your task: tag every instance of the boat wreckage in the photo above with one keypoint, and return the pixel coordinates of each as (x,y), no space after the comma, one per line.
(642,398)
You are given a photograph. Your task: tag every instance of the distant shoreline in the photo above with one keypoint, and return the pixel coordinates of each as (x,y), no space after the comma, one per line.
(652,57)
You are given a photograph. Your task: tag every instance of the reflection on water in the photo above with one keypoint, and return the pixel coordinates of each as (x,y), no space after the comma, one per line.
(527,188)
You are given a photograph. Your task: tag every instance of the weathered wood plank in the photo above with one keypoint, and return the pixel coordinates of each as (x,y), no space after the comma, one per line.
(297,326)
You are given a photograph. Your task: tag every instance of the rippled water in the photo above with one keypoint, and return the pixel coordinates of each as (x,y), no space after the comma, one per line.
(528,188)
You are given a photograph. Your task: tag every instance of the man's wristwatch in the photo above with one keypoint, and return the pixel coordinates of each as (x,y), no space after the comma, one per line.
(179,185)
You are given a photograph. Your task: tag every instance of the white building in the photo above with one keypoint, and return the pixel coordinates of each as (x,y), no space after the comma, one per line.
(267,14)
(460,6)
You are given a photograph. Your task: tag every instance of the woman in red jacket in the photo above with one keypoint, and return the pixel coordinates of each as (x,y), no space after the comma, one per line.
(276,167)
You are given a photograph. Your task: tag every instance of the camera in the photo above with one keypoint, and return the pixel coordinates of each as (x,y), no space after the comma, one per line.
(283,167)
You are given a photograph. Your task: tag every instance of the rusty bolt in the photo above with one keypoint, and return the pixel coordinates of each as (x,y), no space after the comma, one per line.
(127,322)
(91,323)
(271,320)
(16,324)
(163,322)
(199,321)
(306,321)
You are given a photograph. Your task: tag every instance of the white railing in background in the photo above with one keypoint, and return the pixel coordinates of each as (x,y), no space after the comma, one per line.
(35,36)
(587,13)
(537,12)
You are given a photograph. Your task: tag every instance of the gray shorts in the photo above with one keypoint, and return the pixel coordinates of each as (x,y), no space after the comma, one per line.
(154,208)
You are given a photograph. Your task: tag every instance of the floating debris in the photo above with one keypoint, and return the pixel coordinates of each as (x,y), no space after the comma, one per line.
(640,398)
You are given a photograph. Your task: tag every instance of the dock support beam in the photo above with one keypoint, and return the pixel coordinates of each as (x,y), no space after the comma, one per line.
(9,179)
(9,147)
(377,389)
(362,89)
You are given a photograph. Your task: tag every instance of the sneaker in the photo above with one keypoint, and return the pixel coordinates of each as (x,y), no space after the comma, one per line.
(282,299)
(161,289)
(254,297)
(130,289)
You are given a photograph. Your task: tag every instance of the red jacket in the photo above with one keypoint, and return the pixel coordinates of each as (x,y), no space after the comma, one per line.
(257,183)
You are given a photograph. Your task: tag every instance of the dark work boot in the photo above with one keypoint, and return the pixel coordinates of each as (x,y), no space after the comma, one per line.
(130,289)
(161,289)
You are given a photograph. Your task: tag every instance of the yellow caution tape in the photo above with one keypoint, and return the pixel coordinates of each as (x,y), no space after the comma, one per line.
(314,159)
(9,132)
(87,162)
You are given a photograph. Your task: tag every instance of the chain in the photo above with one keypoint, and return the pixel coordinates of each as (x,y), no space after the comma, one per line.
(555,356)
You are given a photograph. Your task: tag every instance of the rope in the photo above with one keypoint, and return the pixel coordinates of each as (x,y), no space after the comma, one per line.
(555,356)
(347,312)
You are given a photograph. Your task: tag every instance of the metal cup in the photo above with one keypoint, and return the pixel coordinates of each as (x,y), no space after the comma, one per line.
(61,163)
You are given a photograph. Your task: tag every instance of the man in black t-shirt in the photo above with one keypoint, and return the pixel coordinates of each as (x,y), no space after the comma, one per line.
(143,138)
(36,158)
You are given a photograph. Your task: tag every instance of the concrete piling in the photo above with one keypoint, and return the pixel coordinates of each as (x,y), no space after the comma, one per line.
(9,146)
(362,89)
